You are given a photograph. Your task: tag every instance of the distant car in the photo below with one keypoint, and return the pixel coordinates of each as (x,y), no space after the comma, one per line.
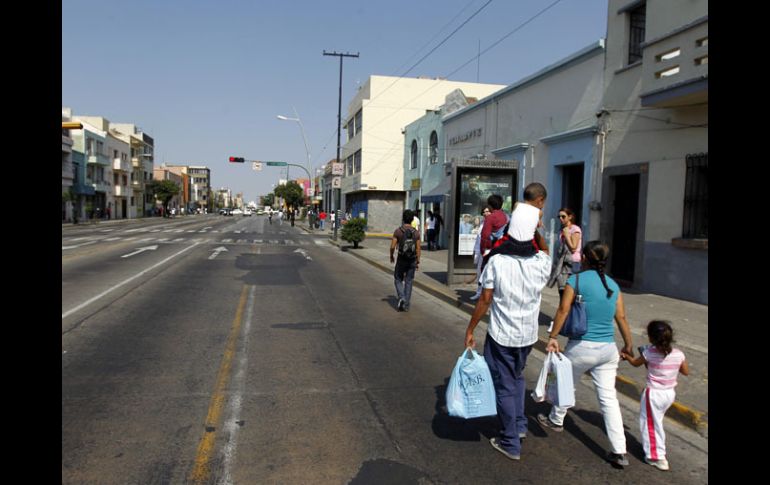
(260,212)
(247,212)
(236,212)
(225,211)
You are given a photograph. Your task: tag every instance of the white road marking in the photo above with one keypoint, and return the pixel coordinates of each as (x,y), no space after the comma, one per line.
(232,421)
(140,250)
(110,290)
(79,245)
(217,251)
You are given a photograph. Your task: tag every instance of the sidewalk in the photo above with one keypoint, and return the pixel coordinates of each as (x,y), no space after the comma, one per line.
(690,322)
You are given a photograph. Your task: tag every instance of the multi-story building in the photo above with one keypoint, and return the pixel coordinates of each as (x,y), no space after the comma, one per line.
(117,150)
(67,170)
(198,188)
(142,148)
(176,202)
(224,197)
(372,185)
(426,180)
(91,142)
(654,117)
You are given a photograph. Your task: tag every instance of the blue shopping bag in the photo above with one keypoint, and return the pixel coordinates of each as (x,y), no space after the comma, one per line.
(471,392)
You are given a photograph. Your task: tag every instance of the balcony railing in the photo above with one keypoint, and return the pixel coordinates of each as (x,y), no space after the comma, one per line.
(122,191)
(675,67)
(98,158)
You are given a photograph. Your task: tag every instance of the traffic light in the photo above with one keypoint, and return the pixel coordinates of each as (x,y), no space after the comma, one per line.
(236,159)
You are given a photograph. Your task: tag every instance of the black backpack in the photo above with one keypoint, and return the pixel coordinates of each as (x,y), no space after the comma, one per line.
(408,247)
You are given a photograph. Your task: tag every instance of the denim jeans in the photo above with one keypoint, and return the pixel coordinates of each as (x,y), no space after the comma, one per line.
(506,365)
(601,359)
(404,276)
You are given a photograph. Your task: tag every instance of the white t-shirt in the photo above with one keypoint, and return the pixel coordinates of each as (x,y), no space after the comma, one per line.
(430,223)
(518,282)
(524,220)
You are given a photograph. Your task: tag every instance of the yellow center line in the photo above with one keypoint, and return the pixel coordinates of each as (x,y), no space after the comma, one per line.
(202,469)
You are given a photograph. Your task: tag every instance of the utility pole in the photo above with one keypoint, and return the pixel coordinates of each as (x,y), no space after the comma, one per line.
(336,202)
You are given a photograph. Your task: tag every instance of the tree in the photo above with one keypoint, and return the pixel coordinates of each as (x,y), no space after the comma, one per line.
(292,194)
(268,200)
(163,190)
(353,231)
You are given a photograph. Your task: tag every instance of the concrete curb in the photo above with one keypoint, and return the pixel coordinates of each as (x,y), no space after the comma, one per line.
(681,413)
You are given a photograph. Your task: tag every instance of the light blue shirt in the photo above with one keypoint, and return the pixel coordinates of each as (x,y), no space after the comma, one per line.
(600,310)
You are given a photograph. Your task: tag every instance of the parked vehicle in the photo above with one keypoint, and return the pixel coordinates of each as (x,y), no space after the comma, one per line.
(236,212)
(247,212)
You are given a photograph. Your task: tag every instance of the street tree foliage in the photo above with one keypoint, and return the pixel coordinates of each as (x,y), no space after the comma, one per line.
(163,190)
(354,231)
(269,199)
(292,194)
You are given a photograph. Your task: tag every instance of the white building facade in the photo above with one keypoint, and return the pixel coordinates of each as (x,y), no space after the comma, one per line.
(372,184)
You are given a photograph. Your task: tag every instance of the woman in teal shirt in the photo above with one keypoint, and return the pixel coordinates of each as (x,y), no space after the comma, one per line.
(595,351)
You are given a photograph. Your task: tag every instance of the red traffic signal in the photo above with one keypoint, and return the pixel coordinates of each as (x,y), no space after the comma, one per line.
(236,159)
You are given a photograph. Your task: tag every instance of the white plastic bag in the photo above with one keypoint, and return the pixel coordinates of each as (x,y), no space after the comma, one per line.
(555,381)
(471,392)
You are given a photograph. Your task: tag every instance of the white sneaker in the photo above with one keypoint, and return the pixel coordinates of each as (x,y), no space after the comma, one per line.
(661,464)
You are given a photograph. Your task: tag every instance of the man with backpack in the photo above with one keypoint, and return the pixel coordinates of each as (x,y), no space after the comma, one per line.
(407,239)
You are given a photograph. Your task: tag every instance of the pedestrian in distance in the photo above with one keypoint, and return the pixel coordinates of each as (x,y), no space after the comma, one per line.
(270,216)
(512,286)
(595,351)
(663,363)
(416,220)
(407,239)
(430,229)
(322,218)
(568,259)
(439,225)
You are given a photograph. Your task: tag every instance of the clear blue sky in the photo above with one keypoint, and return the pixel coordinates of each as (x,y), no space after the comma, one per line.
(206,79)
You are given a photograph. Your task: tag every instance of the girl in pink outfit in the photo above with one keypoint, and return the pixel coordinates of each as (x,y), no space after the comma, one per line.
(664,363)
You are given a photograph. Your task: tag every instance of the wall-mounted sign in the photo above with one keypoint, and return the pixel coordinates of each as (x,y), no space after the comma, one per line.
(338,168)
(415,184)
(337,182)
(465,136)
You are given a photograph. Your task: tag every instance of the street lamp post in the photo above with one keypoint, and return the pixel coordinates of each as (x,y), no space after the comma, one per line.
(307,150)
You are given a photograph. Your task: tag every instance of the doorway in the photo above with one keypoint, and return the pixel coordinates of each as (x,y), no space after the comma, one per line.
(624,232)
(572,190)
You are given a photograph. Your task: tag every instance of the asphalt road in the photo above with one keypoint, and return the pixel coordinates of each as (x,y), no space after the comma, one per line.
(283,360)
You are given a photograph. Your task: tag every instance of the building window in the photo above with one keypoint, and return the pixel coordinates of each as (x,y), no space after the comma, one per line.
(413,155)
(637,19)
(357,162)
(433,147)
(349,128)
(358,121)
(350,165)
(696,197)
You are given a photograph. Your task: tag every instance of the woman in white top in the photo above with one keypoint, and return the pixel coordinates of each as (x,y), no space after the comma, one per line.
(430,229)
(477,256)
